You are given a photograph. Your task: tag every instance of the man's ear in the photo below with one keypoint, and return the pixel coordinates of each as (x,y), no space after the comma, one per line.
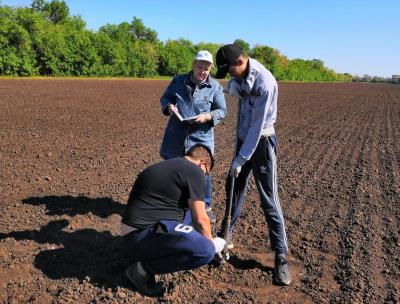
(240,61)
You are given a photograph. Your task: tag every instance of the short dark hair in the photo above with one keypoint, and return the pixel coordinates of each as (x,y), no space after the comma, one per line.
(201,152)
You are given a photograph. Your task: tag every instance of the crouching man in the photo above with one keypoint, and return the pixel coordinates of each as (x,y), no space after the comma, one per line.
(152,224)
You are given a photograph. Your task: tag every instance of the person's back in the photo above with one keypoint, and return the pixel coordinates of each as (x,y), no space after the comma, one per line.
(161,192)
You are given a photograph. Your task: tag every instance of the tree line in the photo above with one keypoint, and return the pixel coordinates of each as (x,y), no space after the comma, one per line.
(44,39)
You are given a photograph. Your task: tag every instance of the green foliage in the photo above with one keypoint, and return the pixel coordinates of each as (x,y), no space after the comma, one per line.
(44,39)
(308,70)
(52,52)
(243,45)
(130,31)
(57,11)
(175,57)
(142,59)
(16,54)
(38,5)
(81,56)
(75,23)
(140,32)
(112,55)
(268,57)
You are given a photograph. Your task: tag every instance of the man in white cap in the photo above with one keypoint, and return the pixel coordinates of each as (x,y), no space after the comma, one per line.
(195,103)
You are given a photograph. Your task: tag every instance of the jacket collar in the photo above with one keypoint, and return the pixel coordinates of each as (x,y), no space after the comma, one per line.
(188,81)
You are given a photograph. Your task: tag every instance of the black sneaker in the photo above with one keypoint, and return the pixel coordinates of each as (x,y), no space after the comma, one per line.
(281,271)
(145,283)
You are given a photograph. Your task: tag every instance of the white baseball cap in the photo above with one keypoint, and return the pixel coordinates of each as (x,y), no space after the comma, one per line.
(204,56)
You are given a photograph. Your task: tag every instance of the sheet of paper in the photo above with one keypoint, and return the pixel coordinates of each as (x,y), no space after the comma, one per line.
(183,119)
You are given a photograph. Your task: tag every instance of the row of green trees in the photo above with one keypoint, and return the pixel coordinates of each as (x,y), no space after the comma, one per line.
(45,39)
(376,79)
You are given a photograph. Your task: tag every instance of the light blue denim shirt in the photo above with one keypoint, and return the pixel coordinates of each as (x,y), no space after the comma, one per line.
(257,109)
(206,98)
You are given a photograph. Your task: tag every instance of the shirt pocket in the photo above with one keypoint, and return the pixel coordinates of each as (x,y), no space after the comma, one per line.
(252,99)
(202,104)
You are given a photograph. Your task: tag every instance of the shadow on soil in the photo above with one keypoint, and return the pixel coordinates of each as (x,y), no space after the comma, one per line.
(80,254)
(58,205)
(238,263)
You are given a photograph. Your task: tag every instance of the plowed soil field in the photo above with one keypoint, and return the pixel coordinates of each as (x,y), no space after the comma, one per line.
(70,150)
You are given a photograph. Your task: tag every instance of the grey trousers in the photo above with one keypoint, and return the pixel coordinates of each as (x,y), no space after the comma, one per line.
(264,167)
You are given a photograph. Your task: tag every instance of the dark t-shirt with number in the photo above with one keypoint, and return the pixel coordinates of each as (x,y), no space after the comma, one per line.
(161,192)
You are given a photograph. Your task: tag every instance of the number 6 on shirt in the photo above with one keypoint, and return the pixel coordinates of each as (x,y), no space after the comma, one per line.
(183,228)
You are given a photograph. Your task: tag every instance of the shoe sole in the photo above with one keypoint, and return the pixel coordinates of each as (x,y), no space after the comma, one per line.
(282,283)
(129,277)
(147,293)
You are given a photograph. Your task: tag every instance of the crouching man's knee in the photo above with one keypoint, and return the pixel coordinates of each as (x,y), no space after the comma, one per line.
(203,253)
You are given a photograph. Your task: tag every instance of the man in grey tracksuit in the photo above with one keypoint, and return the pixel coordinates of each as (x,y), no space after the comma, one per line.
(257,91)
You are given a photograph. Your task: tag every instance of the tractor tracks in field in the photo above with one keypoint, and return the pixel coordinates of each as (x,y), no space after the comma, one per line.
(360,265)
(336,201)
(389,182)
(316,205)
(309,170)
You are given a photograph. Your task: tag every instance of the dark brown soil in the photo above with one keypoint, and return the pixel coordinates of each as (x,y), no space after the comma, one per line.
(70,150)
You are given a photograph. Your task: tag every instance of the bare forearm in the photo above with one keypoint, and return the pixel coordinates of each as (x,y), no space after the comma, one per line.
(203,228)
(200,219)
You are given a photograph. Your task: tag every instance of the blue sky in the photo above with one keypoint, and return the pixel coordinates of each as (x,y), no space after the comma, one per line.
(355,36)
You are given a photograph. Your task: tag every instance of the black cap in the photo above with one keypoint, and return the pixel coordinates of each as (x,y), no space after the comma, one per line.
(226,55)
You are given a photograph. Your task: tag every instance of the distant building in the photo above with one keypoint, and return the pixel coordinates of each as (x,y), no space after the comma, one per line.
(396,79)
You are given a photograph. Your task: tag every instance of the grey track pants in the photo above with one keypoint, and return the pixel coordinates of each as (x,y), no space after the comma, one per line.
(263,165)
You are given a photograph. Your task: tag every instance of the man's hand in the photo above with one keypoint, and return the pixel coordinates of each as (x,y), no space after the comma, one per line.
(236,167)
(219,244)
(203,118)
(171,108)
